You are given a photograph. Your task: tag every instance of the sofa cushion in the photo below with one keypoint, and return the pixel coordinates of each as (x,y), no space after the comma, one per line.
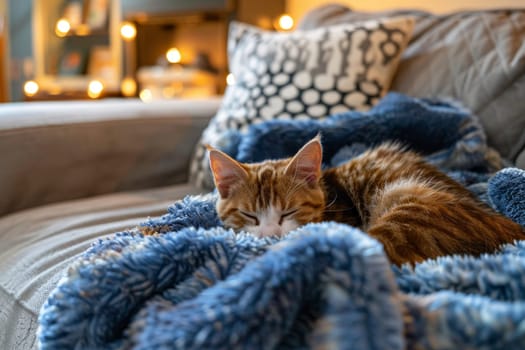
(477,57)
(520,160)
(37,246)
(303,74)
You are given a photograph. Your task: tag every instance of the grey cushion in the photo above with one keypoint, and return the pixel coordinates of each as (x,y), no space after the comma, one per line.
(520,160)
(37,245)
(480,59)
(477,57)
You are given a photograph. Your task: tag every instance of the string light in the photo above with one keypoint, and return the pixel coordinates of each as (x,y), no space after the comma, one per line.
(230,79)
(146,95)
(285,22)
(173,55)
(31,88)
(128,31)
(128,87)
(62,27)
(95,88)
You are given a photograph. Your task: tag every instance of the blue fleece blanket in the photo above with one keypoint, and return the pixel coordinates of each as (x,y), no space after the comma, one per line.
(196,285)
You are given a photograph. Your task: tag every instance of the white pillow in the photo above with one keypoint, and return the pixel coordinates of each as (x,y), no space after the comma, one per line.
(303,74)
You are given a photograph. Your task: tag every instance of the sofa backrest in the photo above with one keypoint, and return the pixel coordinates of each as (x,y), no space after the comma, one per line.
(61,150)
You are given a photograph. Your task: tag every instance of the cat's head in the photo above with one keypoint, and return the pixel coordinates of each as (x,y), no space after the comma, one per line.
(273,197)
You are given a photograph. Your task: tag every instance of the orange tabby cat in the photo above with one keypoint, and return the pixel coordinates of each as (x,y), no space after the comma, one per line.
(413,209)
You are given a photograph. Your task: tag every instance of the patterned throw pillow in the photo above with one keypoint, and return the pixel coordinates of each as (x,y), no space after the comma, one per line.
(302,74)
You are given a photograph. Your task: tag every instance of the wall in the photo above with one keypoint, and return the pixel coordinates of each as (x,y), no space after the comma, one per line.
(297,7)
(4,95)
(167,6)
(20,28)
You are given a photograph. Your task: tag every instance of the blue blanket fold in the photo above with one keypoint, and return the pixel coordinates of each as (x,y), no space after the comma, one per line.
(196,285)
(447,134)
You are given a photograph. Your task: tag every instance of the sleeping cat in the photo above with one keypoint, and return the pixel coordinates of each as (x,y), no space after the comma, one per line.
(416,211)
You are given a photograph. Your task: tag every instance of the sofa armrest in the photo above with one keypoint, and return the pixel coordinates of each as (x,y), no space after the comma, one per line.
(55,151)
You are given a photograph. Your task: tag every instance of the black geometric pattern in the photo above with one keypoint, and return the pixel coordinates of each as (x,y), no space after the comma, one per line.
(303,75)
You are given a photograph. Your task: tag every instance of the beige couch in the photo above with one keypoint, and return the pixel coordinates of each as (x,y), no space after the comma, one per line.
(73,172)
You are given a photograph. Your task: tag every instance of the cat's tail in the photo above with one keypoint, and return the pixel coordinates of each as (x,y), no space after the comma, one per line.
(426,223)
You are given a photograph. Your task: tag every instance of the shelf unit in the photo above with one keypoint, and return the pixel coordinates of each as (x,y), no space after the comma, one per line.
(197,28)
(50,49)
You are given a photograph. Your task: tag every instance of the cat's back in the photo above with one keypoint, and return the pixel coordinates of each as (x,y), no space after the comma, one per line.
(387,163)
(388,174)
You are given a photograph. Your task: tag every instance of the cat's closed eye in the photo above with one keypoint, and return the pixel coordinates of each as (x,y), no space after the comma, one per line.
(254,218)
(250,216)
(287,214)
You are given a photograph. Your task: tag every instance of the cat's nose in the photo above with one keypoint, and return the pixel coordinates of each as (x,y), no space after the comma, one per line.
(270,230)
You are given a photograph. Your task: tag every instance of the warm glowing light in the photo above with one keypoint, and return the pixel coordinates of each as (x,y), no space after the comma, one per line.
(31,88)
(230,79)
(128,31)
(54,90)
(82,30)
(146,95)
(173,55)
(168,92)
(62,27)
(128,87)
(285,22)
(95,88)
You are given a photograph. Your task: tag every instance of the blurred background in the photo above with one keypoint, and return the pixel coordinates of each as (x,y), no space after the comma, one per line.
(155,49)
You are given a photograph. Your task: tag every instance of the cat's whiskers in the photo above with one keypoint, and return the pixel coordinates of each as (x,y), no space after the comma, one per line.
(326,210)
(332,202)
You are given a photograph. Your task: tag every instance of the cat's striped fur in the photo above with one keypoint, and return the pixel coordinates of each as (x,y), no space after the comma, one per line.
(412,208)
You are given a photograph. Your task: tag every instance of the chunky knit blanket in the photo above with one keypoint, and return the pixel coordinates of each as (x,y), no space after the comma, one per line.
(195,285)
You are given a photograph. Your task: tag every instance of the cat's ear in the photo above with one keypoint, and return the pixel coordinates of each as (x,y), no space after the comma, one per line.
(226,171)
(306,164)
